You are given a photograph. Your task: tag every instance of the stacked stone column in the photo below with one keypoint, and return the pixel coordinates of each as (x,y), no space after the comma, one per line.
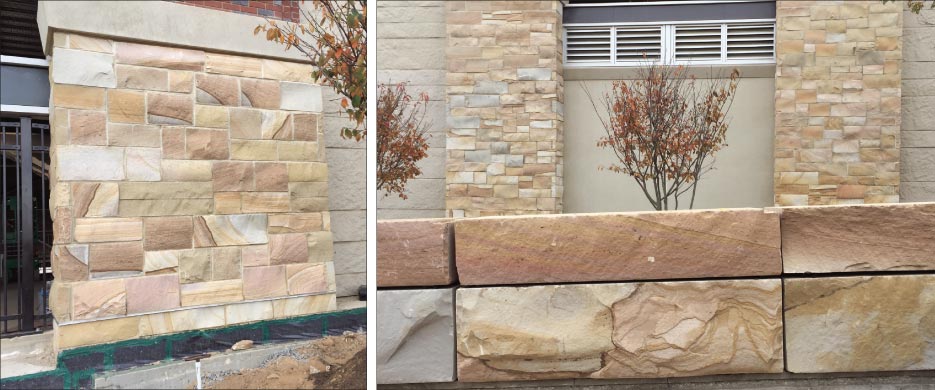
(837,102)
(505,121)
(189,191)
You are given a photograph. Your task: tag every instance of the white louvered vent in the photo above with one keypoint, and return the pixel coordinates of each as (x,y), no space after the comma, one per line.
(639,44)
(698,42)
(750,41)
(584,45)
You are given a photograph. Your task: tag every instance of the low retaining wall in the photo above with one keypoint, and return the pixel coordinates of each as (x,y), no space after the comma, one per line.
(653,295)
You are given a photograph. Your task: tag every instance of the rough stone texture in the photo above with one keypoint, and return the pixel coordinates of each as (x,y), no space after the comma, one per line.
(917,150)
(497,165)
(416,340)
(619,330)
(837,102)
(415,253)
(156,189)
(861,323)
(858,238)
(618,247)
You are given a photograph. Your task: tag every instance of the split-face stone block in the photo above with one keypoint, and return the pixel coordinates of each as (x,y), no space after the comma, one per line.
(152,293)
(87,127)
(125,106)
(194,266)
(225,230)
(415,253)
(206,144)
(271,177)
(858,238)
(136,77)
(225,263)
(207,293)
(300,97)
(95,199)
(169,108)
(860,323)
(99,298)
(108,229)
(625,330)
(159,56)
(163,233)
(219,90)
(264,282)
(89,163)
(259,93)
(306,278)
(618,247)
(116,257)
(288,248)
(417,336)
(233,176)
(81,67)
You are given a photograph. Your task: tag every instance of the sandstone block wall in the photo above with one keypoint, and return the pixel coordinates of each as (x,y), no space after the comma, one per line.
(190,190)
(523,313)
(838,102)
(412,50)
(505,114)
(917,165)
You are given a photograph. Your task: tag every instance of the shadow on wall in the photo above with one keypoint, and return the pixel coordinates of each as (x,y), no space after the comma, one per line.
(743,170)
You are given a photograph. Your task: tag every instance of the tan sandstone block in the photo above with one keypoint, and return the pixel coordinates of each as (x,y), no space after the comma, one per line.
(163,233)
(206,144)
(233,176)
(165,190)
(195,266)
(159,57)
(251,150)
(181,320)
(152,293)
(225,263)
(163,207)
(300,306)
(60,301)
(265,202)
(307,278)
(858,238)
(264,282)
(860,323)
(173,142)
(74,96)
(287,71)
(212,116)
(126,106)
(218,90)
(227,203)
(186,170)
(99,298)
(248,312)
(206,293)
(271,177)
(305,126)
(307,171)
(143,164)
(295,223)
(298,151)
(108,229)
(288,248)
(245,123)
(62,231)
(169,108)
(136,77)
(620,330)
(320,247)
(116,257)
(119,134)
(234,65)
(181,81)
(87,127)
(259,93)
(83,42)
(96,332)
(95,199)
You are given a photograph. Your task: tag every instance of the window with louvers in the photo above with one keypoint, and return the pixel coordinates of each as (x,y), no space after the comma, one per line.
(702,43)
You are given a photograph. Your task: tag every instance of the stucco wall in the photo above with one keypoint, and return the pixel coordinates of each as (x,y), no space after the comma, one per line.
(918,115)
(741,177)
(412,49)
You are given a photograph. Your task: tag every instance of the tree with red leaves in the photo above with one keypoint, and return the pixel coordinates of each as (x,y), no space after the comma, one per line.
(335,40)
(401,141)
(664,129)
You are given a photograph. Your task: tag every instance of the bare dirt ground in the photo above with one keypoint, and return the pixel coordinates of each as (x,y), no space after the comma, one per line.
(337,362)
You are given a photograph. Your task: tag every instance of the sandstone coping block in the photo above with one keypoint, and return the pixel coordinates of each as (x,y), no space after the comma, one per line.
(617,246)
(300,97)
(225,230)
(417,252)
(619,330)
(99,298)
(860,323)
(152,293)
(286,71)
(108,229)
(416,340)
(85,68)
(90,43)
(159,56)
(859,238)
(92,163)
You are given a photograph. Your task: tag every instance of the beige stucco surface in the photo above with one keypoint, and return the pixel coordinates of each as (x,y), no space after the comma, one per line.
(411,49)
(742,171)
(917,168)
